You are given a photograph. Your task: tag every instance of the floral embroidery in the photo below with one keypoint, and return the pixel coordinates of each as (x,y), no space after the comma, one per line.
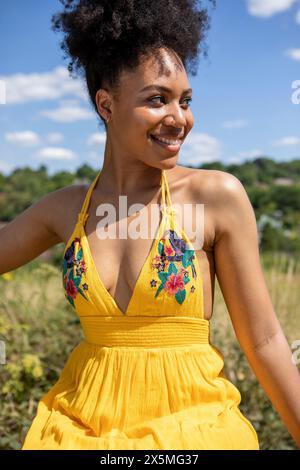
(173,249)
(74,268)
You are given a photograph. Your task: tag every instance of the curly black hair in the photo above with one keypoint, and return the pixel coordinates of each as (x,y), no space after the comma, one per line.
(104,37)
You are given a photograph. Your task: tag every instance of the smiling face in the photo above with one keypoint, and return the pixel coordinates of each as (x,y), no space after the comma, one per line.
(148,123)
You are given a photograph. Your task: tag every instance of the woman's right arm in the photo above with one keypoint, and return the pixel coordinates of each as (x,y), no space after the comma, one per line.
(35,230)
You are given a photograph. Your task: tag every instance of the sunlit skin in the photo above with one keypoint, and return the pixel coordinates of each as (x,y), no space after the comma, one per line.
(132,167)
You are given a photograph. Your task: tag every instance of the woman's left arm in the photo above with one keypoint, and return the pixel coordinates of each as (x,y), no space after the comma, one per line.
(241,279)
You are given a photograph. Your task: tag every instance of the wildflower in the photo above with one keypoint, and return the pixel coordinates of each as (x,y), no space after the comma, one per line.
(7,276)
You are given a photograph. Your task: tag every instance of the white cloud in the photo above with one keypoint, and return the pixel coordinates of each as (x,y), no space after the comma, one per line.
(69,102)
(5,167)
(200,148)
(54,137)
(245,155)
(96,139)
(293,54)
(268,8)
(251,153)
(68,114)
(56,153)
(298,17)
(235,124)
(287,141)
(25,138)
(22,88)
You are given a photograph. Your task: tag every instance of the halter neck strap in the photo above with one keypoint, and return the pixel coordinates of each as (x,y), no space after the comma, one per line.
(83,214)
(166,201)
(165,192)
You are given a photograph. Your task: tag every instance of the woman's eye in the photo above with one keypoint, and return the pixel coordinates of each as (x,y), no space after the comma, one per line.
(189,100)
(161,97)
(155,98)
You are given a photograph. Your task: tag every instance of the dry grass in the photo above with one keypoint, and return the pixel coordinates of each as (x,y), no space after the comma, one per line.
(282,275)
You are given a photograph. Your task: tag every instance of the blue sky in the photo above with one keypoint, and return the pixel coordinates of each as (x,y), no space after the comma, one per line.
(242,94)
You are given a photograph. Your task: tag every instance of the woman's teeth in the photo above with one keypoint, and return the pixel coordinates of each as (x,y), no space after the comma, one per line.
(167,141)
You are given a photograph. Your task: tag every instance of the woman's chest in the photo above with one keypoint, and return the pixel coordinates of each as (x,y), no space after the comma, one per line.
(120,249)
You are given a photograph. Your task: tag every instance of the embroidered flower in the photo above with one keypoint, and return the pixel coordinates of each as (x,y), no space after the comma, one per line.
(174,283)
(71,289)
(169,251)
(74,268)
(172,264)
(156,262)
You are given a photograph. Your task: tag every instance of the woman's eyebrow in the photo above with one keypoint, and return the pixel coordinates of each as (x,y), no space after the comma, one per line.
(162,88)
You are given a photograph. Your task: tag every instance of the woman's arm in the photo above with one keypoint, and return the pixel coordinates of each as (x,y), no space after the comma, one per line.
(36,229)
(241,279)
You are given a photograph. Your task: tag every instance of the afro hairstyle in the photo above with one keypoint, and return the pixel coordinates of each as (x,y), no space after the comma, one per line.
(104,37)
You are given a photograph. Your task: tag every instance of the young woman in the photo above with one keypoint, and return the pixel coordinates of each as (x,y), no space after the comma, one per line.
(146,376)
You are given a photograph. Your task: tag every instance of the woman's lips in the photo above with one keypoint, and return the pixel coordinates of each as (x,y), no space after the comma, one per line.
(170,147)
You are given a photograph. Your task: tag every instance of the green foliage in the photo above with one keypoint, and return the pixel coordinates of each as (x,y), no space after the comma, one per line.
(86,172)
(24,186)
(264,170)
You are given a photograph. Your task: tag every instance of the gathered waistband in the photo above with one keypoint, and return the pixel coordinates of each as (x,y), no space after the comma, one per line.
(145,332)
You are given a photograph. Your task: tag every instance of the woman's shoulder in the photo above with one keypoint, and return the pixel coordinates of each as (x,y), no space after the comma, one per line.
(210,184)
(221,194)
(63,206)
(73,195)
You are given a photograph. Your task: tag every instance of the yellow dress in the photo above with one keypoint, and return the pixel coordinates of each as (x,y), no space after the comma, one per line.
(147,378)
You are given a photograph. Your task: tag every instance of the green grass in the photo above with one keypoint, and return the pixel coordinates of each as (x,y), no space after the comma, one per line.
(40,329)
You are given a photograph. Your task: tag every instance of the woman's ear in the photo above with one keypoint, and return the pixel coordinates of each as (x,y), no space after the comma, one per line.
(104,104)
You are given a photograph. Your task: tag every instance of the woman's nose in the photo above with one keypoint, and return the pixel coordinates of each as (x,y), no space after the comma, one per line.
(176,117)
